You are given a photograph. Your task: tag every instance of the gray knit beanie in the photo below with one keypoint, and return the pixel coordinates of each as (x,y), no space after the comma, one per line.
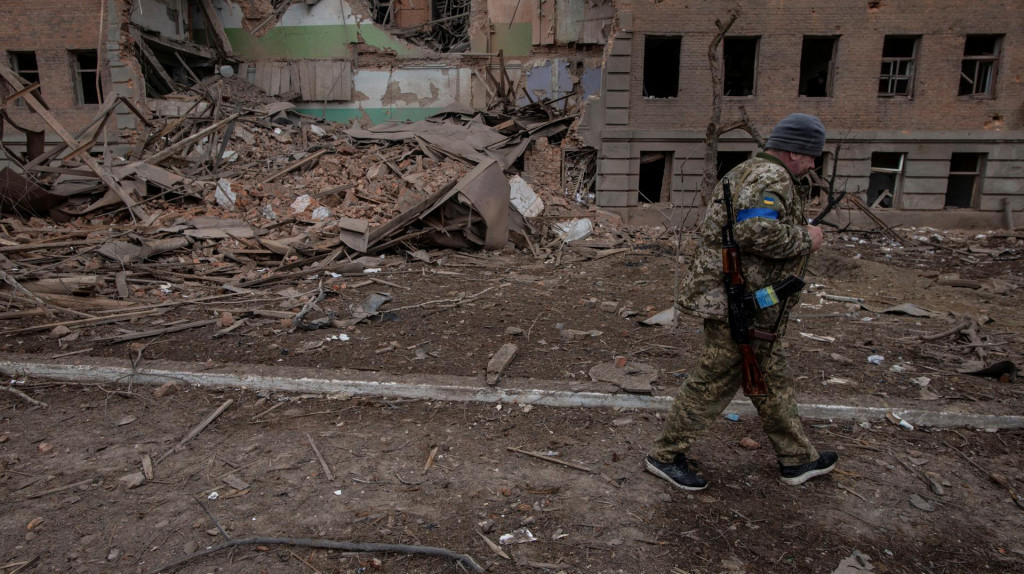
(798,133)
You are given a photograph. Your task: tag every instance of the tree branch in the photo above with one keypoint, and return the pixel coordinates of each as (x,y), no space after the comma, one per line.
(327,544)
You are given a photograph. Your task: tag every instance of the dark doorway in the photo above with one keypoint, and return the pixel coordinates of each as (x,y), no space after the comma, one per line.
(661,66)
(655,180)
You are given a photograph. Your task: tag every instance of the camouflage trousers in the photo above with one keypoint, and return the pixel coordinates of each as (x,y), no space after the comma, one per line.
(708,391)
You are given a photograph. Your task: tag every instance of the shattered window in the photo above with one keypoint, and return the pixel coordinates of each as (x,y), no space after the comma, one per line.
(661,66)
(25,65)
(86,77)
(886,169)
(978,70)
(964,179)
(740,56)
(816,66)
(897,75)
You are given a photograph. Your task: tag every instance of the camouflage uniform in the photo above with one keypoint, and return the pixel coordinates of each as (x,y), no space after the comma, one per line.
(770,230)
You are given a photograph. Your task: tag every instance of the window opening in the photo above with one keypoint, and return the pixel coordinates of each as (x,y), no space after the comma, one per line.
(730,159)
(897,75)
(816,67)
(979,67)
(26,65)
(964,179)
(85,74)
(655,180)
(886,169)
(740,56)
(661,66)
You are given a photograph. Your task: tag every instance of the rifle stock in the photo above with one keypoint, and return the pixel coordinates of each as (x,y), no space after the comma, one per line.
(735,289)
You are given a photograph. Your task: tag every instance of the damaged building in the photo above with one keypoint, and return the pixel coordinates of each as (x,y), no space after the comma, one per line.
(926,97)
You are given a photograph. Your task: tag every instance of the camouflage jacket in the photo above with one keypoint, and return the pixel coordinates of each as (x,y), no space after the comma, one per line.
(770,229)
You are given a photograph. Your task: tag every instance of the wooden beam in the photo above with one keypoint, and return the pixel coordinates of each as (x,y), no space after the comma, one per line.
(104,174)
(220,38)
(172,149)
(34,86)
(154,63)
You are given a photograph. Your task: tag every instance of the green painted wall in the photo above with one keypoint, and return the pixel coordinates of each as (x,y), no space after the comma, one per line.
(313,42)
(515,40)
(376,115)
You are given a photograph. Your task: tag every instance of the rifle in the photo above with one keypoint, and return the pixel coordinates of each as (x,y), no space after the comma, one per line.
(735,289)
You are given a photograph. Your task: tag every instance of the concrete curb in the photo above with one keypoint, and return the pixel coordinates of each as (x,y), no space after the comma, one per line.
(395,388)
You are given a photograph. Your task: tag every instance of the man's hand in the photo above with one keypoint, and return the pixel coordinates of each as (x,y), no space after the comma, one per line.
(817,237)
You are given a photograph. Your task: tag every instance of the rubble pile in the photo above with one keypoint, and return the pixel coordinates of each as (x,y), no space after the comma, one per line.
(225,190)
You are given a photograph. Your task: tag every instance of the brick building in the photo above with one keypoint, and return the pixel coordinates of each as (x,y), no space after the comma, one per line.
(75,60)
(927,94)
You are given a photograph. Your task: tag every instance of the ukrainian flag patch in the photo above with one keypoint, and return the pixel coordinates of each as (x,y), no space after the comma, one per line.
(769,200)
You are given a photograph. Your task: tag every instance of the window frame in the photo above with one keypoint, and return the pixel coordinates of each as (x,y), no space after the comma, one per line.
(77,82)
(978,60)
(12,61)
(896,172)
(894,77)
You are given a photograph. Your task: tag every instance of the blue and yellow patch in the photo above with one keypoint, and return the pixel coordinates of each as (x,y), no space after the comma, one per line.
(769,200)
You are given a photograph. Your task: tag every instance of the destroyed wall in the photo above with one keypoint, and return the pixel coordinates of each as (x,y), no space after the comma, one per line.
(931,134)
(397,69)
(57,44)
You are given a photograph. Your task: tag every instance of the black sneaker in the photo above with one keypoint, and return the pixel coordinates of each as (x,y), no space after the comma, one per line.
(799,474)
(677,473)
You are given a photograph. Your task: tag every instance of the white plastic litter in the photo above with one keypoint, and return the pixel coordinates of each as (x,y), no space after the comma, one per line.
(518,536)
(876,359)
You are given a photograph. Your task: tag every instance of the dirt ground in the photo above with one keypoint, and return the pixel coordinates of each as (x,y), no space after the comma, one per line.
(438,474)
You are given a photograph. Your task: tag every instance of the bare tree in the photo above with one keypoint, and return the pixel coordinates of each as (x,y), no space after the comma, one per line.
(715,128)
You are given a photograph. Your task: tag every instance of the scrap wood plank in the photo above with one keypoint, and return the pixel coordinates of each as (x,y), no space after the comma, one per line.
(195,431)
(221,41)
(155,332)
(294,165)
(154,62)
(104,174)
(173,148)
(320,457)
(552,459)
(80,322)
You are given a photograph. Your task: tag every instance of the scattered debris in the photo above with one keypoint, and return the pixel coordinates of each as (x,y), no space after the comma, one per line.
(499,361)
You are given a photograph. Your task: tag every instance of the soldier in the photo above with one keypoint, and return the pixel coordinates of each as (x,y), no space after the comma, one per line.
(775,243)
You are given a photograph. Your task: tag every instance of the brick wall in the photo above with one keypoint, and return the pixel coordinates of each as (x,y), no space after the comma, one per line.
(51,28)
(928,127)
